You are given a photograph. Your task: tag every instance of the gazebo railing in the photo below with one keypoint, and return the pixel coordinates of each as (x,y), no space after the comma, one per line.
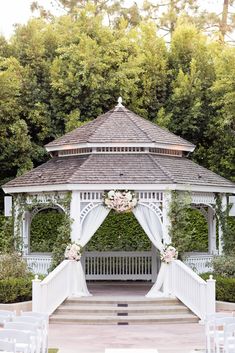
(199,262)
(118,265)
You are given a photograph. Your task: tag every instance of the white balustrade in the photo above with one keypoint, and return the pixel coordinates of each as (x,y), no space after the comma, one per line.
(53,290)
(117,265)
(198,295)
(38,263)
(200,263)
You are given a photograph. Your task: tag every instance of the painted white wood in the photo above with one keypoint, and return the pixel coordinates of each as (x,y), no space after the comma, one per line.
(212,249)
(192,290)
(75,216)
(166,219)
(147,187)
(189,147)
(199,262)
(118,265)
(221,243)
(38,263)
(232,202)
(7,206)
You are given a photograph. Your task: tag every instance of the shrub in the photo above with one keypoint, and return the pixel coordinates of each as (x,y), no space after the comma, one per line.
(12,266)
(15,289)
(224,266)
(225,287)
(6,234)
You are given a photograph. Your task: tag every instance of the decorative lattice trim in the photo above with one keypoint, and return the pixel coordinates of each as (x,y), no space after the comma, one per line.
(75,151)
(165,151)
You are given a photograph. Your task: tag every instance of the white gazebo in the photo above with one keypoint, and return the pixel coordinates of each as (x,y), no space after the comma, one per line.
(117,151)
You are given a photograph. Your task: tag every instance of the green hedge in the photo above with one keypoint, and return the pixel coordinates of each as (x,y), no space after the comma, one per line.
(14,290)
(225,287)
(44,230)
(119,231)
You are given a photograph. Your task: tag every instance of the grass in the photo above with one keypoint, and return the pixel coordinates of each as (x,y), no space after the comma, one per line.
(53,350)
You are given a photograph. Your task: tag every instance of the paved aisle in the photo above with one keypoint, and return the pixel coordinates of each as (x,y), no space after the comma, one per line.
(179,338)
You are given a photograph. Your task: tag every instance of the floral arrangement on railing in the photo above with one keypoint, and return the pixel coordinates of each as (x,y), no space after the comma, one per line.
(168,254)
(73,252)
(120,200)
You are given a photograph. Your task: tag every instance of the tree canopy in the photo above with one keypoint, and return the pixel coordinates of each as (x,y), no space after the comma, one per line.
(58,72)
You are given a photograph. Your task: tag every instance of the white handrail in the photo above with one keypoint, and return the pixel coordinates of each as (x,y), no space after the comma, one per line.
(53,290)
(198,295)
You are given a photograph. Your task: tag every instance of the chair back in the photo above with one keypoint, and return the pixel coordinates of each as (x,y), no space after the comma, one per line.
(7,346)
(23,326)
(15,335)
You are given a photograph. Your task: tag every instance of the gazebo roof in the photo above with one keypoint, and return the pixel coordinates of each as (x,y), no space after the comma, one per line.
(120,126)
(119,169)
(119,148)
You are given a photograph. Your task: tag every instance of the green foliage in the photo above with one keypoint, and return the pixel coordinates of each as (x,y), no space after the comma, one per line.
(44,230)
(14,290)
(6,234)
(224,266)
(225,287)
(119,231)
(12,266)
(63,239)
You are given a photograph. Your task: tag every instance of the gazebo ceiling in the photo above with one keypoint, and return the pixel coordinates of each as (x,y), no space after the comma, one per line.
(120,126)
(119,169)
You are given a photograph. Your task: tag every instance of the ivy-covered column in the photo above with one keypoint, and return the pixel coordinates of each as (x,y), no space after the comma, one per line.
(222,210)
(165,215)
(75,210)
(212,249)
(26,232)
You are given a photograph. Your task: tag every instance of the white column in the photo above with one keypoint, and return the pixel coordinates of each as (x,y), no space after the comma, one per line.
(26,227)
(166,219)
(221,243)
(211,231)
(75,216)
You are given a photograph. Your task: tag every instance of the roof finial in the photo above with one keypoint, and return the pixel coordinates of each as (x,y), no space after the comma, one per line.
(119,102)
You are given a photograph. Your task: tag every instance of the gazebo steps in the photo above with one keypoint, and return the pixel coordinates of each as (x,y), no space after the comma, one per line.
(122,311)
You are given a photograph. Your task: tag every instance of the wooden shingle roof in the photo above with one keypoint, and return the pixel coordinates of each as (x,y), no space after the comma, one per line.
(119,169)
(119,125)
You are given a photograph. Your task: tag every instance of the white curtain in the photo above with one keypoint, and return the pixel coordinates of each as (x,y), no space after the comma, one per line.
(152,226)
(89,226)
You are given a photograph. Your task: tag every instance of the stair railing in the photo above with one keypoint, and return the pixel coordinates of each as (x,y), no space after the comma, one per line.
(48,294)
(198,295)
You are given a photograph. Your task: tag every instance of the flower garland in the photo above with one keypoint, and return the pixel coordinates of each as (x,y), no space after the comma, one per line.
(73,252)
(168,254)
(120,200)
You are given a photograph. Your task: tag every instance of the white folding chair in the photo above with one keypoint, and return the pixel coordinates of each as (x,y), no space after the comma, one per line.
(40,322)
(30,328)
(6,315)
(220,324)
(210,330)
(23,342)
(229,338)
(7,347)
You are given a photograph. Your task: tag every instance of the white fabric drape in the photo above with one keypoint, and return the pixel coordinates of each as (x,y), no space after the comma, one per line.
(89,226)
(153,228)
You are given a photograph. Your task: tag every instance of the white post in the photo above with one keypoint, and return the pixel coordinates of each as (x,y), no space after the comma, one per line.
(75,215)
(212,249)
(36,295)
(154,263)
(221,243)
(166,219)
(210,295)
(26,226)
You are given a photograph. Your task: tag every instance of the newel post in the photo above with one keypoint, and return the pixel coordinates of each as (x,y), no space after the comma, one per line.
(36,295)
(210,295)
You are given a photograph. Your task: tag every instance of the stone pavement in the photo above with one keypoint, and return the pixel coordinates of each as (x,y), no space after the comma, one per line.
(174,338)
(166,338)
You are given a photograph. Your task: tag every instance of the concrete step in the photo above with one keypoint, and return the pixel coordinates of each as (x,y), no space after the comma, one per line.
(112,300)
(130,310)
(123,320)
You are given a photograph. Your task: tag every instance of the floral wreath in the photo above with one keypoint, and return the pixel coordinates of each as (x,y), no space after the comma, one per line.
(73,252)
(120,200)
(168,254)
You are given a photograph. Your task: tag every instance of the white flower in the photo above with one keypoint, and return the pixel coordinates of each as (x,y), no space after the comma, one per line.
(128,196)
(111,194)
